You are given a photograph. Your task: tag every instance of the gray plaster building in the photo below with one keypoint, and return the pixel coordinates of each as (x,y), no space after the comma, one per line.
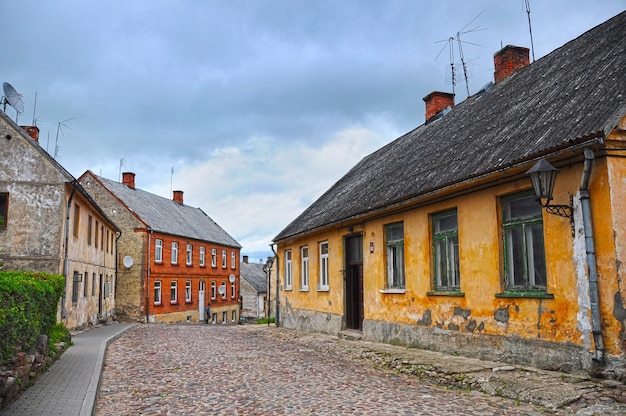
(253,290)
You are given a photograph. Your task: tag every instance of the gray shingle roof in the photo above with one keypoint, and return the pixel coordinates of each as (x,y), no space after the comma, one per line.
(169,217)
(253,273)
(575,93)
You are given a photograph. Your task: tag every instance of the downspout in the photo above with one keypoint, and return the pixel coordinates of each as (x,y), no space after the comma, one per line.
(596,323)
(147,293)
(277,262)
(66,249)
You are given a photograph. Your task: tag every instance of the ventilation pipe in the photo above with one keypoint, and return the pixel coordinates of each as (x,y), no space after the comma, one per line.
(596,323)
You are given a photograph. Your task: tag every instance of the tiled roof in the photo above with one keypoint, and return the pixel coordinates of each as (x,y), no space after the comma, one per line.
(574,94)
(253,273)
(169,217)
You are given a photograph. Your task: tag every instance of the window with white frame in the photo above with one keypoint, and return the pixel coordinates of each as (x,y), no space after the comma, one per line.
(174,252)
(324,266)
(232,260)
(446,251)
(394,242)
(233,290)
(223,259)
(524,251)
(213,289)
(158,250)
(188,291)
(234,314)
(173,291)
(157,292)
(213,257)
(189,256)
(224,317)
(223,290)
(288,270)
(304,268)
(202,255)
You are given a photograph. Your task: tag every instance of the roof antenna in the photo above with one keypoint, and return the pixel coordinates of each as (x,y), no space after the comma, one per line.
(171,181)
(121,164)
(35,109)
(530,29)
(60,126)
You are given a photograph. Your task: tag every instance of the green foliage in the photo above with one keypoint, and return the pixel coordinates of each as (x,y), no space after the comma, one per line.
(264,321)
(28,308)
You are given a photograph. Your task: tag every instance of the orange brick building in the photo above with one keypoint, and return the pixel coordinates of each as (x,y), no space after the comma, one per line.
(173,259)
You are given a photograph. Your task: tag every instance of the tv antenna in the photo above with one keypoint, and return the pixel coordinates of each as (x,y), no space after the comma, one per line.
(460,42)
(530,29)
(60,126)
(13,98)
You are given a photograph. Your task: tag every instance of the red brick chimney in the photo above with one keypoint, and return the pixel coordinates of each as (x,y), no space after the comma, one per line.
(33,131)
(245,259)
(178,197)
(436,102)
(128,179)
(508,60)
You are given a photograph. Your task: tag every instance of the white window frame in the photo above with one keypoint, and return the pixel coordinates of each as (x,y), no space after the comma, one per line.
(174,252)
(189,257)
(304,268)
(288,270)
(157,292)
(233,290)
(395,257)
(213,257)
(158,250)
(174,291)
(323,266)
(233,262)
(224,317)
(225,294)
(188,291)
(202,256)
(223,259)
(213,289)
(234,316)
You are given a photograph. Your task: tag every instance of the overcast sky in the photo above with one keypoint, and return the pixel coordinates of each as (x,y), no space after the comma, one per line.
(256,106)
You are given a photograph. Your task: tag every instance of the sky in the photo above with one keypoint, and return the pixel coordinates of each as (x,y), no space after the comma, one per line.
(254,108)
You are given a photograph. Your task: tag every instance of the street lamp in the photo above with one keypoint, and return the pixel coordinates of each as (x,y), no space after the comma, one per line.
(543,176)
(268,271)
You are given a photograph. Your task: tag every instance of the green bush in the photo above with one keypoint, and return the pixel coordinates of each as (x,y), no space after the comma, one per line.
(264,321)
(28,308)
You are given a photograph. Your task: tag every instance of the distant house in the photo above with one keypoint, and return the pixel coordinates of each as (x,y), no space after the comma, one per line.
(253,290)
(175,258)
(437,240)
(51,225)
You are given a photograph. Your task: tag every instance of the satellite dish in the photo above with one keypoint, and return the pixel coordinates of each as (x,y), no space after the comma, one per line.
(221,290)
(128,261)
(12,97)
(231,278)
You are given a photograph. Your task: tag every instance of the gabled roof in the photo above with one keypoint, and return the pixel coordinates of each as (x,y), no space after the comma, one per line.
(253,273)
(167,216)
(575,94)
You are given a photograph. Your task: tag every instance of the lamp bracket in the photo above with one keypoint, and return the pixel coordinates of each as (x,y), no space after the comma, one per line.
(566,211)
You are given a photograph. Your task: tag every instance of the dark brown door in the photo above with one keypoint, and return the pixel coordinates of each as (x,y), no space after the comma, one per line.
(354,282)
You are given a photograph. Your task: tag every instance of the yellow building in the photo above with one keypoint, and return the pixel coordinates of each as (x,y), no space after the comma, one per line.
(437,240)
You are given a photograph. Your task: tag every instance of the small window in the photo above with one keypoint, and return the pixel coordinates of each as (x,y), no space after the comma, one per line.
(102,237)
(76,287)
(158,250)
(304,268)
(224,317)
(94,284)
(202,256)
(213,257)
(223,259)
(174,291)
(234,315)
(233,290)
(76,219)
(233,261)
(213,289)
(188,258)
(446,251)
(288,270)
(223,290)
(95,240)
(157,292)
(324,265)
(394,241)
(4,209)
(188,291)
(86,284)
(89,227)
(174,252)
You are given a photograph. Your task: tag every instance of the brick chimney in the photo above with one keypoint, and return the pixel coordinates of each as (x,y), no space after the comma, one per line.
(508,60)
(436,102)
(33,131)
(178,197)
(128,179)
(245,259)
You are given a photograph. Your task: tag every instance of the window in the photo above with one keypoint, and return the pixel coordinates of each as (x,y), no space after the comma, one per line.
(189,254)
(394,241)
(76,219)
(157,292)
(202,250)
(224,317)
(4,209)
(304,268)
(524,254)
(86,286)
(324,265)
(174,252)
(234,315)
(108,240)
(222,289)
(76,287)
(223,259)
(188,291)
(173,291)
(93,284)
(89,226)
(233,262)
(233,290)
(446,251)
(213,289)
(158,250)
(213,257)
(288,270)
(95,240)
(102,237)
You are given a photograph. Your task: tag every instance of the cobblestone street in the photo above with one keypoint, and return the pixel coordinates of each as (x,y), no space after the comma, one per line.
(247,370)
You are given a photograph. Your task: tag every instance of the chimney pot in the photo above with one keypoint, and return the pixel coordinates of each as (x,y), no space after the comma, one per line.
(128,179)
(245,259)
(508,60)
(178,197)
(33,131)
(436,102)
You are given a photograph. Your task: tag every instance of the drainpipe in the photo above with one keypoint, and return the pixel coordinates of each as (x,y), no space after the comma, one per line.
(147,296)
(277,262)
(66,249)
(596,323)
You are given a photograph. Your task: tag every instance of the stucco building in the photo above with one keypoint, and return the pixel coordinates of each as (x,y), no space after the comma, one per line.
(52,225)
(253,290)
(175,258)
(437,240)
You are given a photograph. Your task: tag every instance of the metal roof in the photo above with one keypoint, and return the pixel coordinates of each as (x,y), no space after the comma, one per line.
(253,273)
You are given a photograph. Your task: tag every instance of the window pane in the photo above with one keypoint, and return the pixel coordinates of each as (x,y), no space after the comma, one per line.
(446,223)
(538,257)
(395,232)
(526,207)
(515,256)
(453,269)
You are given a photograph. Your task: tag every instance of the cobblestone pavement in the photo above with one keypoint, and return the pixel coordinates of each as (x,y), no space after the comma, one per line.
(251,370)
